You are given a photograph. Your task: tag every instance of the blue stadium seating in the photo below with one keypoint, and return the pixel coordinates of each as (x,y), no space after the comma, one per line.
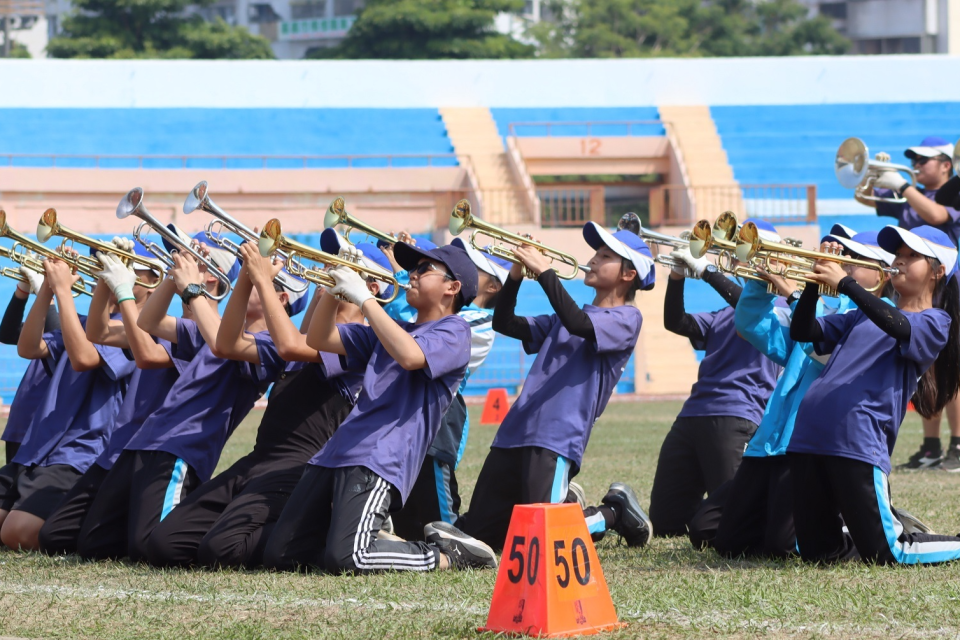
(796,144)
(223,132)
(504,117)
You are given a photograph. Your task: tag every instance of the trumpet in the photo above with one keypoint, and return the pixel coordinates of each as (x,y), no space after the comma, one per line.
(461,219)
(272,240)
(49,227)
(337,214)
(200,199)
(718,238)
(132,204)
(18,253)
(856,170)
(28,261)
(662,239)
(751,247)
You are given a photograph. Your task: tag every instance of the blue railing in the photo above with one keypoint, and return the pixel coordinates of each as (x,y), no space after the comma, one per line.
(375,161)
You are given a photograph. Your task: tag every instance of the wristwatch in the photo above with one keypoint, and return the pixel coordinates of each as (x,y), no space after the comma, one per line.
(793,297)
(191,291)
(710,268)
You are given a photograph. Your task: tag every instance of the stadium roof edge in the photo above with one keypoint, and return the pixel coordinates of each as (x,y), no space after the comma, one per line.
(489,83)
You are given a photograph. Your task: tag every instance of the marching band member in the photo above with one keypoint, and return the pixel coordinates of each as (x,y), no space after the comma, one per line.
(36,379)
(178,446)
(580,357)
(932,162)
(368,468)
(839,453)
(73,423)
(753,513)
(227,520)
(147,388)
(435,495)
(704,446)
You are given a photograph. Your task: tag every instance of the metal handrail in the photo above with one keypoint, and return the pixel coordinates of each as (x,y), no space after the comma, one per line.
(589,124)
(224,159)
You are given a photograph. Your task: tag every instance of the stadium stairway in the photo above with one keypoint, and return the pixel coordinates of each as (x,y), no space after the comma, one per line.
(474,135)
(695,133)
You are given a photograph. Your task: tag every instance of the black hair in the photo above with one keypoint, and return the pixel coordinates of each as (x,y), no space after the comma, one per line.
(222,287)
(286,307)
(637,284)
(945,158)
(492,300)
(458,302)
(939,384)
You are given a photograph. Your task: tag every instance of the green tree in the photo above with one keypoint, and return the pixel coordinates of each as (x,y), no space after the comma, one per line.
(429,29)
(644,28)
(151,29)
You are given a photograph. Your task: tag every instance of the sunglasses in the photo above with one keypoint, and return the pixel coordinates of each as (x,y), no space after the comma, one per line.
(424,268)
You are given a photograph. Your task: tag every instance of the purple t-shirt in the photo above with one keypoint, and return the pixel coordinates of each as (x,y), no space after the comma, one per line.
(79,411)
(398,412)
(208,400)
(734,378)
(146,393)
(854,409)
(908,218)
(347,382)
(33,387)
(570,382)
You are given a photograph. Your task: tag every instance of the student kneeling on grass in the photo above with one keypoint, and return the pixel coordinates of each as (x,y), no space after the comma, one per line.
(369,466)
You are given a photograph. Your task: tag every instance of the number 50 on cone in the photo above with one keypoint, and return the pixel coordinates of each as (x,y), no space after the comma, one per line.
(550,583)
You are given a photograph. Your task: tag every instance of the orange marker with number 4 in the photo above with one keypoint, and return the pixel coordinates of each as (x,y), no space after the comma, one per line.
(495,408)
(550,583)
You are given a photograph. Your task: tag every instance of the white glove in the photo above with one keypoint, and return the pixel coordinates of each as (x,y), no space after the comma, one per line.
(117,276)
(33,282)
(351,253)
(694,265)
(892,180)
(124,244)
(350,286)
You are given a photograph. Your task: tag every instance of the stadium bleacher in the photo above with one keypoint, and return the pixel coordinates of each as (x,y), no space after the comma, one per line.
(289,135)
(796,144)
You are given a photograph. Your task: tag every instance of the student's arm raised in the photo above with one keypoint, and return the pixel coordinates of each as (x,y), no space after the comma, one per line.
(30,344)
(153,317)
(83,354)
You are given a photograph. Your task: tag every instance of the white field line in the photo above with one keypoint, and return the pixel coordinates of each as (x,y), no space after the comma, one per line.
(633,617)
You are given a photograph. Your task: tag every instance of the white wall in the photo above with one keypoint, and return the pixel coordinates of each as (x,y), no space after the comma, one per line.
(717,81)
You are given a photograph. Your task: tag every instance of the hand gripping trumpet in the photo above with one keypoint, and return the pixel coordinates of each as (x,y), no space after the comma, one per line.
(272,241)
(856,170)
(199,199)
(462,219)
(18,253)
(132,205)
(775,258)
(49,226)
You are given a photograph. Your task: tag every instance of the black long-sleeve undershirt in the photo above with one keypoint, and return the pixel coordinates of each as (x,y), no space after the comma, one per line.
(12,320)
(677,320)
(574,319)
(805,328)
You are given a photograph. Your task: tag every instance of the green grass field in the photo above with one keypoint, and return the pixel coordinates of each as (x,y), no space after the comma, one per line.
(664,590)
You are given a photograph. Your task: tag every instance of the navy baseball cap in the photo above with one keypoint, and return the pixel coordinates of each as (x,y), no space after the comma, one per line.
(925,240)
(625,244)
(453,258)
(931,147)
(842,231)
(423,243)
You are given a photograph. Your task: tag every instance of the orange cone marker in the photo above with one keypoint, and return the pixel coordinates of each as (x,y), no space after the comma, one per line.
(550,583)
(495,408)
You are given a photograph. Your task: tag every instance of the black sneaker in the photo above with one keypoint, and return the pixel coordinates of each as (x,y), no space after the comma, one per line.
(951,460)
(465,552)
(922,459)
(633,524)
